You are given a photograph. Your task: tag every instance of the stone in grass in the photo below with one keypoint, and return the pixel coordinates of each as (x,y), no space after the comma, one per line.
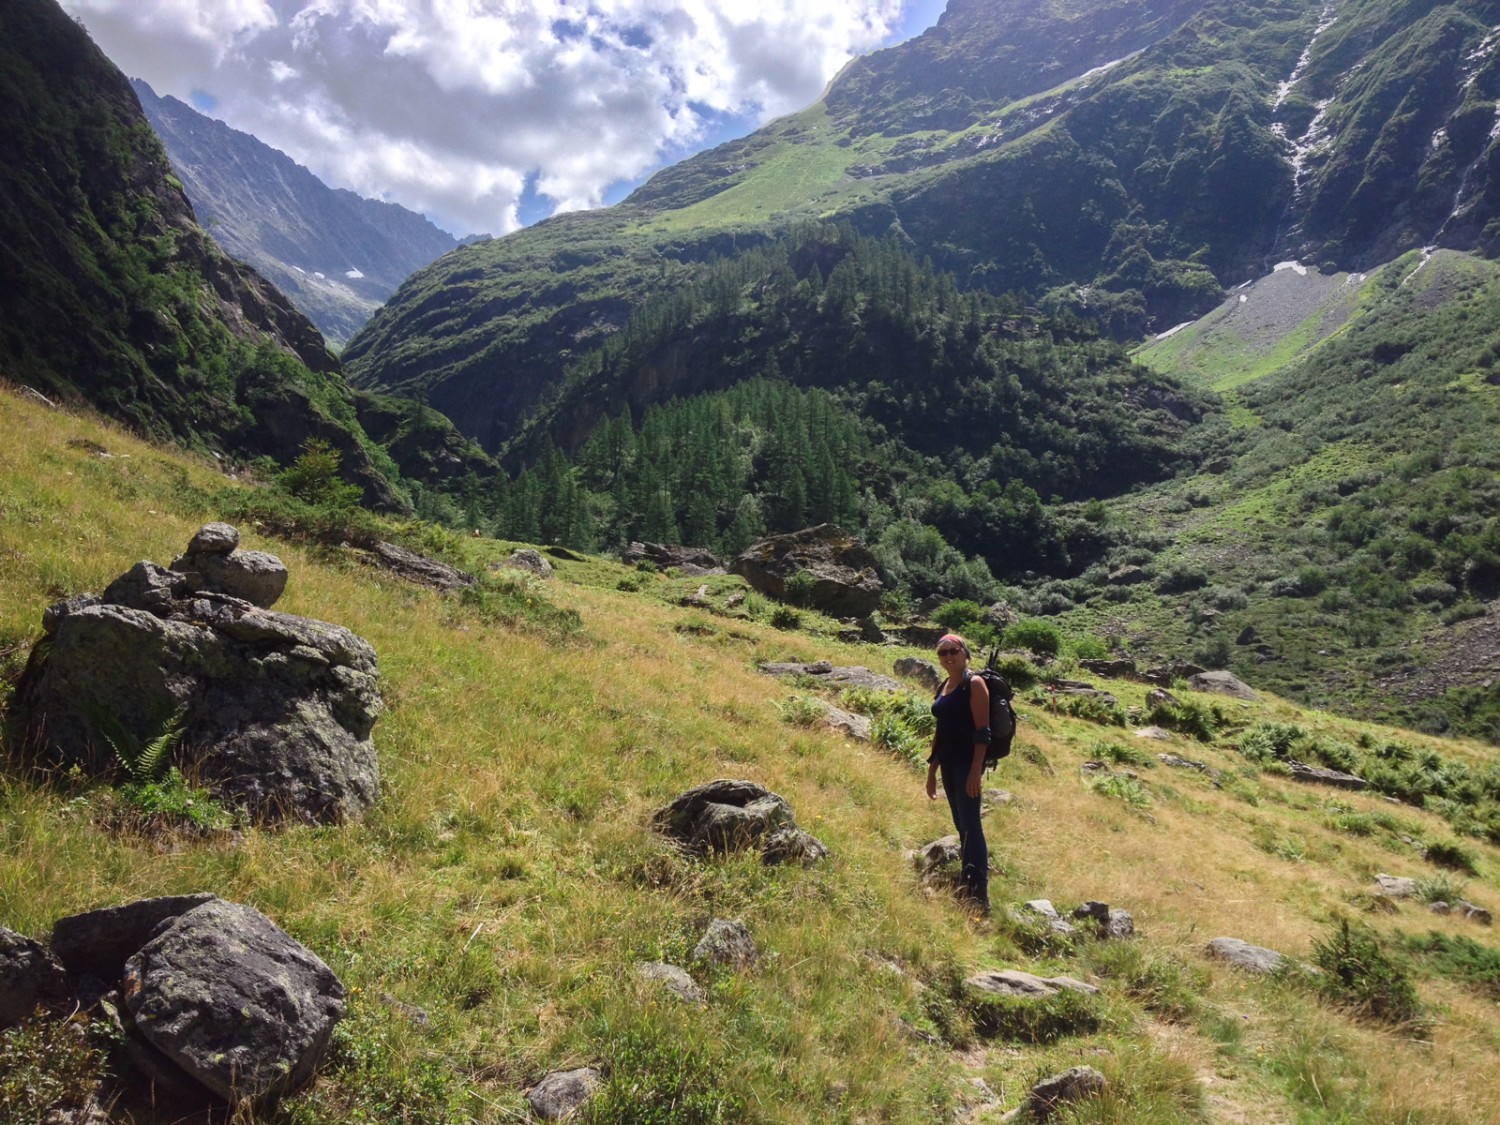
(727,815)
(30,978)
(563,1092)
(1051,1094)
(728,943)
(233,1000)
(793,845)
(1396,886)
(1252,958)
(98,942)
(1017,984)
(1043,909)
(674,980)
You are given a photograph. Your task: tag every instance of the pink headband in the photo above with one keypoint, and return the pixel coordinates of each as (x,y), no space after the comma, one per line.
(956,639)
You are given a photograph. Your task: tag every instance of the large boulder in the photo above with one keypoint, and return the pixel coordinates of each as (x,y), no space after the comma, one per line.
(275,711)
(842,570)
(232,1000)
(1222,683)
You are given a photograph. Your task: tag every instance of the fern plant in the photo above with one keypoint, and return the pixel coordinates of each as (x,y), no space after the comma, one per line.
(146,762)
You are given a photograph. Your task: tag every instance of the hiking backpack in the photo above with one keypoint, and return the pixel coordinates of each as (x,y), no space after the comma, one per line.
(1002,713)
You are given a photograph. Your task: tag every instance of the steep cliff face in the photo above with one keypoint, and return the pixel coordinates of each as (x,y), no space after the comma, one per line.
(337,256)
(115,296)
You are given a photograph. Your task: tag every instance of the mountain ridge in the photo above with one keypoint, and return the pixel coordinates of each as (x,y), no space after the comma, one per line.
(337,255)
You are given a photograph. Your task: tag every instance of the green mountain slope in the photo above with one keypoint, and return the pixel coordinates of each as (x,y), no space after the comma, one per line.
(1127,161)
(115,296)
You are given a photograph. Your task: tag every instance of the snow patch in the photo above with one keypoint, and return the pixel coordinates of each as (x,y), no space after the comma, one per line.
(319,276)
(1297,266)
(1177,329)
(353,273)
(1243,298)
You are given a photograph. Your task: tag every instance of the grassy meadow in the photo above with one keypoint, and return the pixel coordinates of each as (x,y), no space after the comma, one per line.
(508,881)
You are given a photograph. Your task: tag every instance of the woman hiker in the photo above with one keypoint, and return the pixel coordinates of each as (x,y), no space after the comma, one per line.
(962,710)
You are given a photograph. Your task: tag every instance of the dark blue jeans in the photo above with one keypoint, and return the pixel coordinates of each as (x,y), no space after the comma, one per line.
(974,855)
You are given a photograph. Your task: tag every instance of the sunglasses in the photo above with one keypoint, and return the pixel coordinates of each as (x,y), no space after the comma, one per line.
(949,651)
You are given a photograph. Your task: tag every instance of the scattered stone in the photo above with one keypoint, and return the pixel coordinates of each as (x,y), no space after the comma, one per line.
(234,1001)
(870,631)
(674,980)
(1177,762)
(561,1093)
(1159,734)
(253,576)
(1121,924)
(1222,683)
(1319,775)
(1016,984)
(1396,886)
(1127,576)
(1000,796)
(1472,913)
(524,558)
(921,636)
(793,845)
(1161,697)
(1043,909)
(726,815)
(1094,911)
(275,711)
(1252,958)
(1114,669)
(1440,907)
(30,978)
(1074,687)
(1073,1084)
(920,670)
(826,673)
(698,599)
(414,1015)
(214,539)
(727,943)
(932,858)
(691,562)
(1248,636)
(417,568)
(99,942)
(855,726)
(1001,616)
(563,553)
(842,569)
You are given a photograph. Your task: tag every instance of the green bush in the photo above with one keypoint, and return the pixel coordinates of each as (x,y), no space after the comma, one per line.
(1359,974)
(785,617)
(798,588)
(1453,856)
(1458,958)
(1090,708)
(1122,788)
(314,479)
(1439,888)
(1190,717)
(1040,637)
(1267,741)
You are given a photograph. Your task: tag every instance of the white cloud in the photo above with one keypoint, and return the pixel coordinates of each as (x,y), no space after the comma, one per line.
(449,106)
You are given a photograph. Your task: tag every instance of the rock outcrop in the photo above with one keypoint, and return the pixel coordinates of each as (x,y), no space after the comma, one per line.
(275,711)
(841,571)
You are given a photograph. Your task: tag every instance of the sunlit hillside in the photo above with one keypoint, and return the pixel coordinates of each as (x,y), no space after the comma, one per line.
(488,914)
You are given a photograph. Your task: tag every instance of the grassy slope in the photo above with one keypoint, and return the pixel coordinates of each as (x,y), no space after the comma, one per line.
(507,880)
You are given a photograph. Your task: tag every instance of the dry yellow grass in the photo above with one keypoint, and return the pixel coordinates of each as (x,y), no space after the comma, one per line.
(508,880)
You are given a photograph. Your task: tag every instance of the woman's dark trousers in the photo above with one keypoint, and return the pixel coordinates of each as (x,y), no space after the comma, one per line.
(973,853)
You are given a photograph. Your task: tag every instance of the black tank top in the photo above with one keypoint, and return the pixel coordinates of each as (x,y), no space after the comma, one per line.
(955,724)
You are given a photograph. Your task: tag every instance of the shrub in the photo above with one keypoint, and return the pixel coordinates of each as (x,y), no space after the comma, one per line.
(1122,788)
(1359,974)
(1439,888)
(891,734)
(1163,985)
(1179,578)
(1459,958)
(1266,741)
(1040,637)
(1090,708)
(1189,717)
(785,617)
(798,588)
(1453,856)
(1337,754)
(1354,823)
(801,710)
(314,478)
(1088,648)
(1120,755)
(1019,671)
